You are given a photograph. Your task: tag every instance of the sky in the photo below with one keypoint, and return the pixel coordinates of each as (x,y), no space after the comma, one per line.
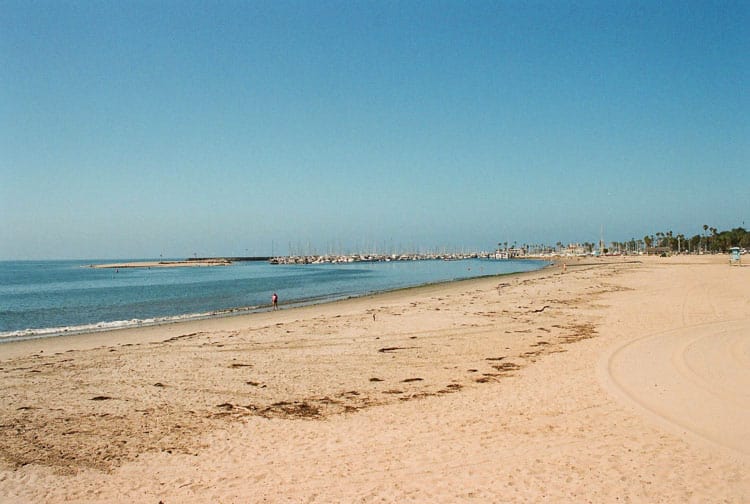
(139,129)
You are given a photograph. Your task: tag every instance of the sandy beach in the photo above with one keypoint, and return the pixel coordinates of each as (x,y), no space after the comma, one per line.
(616,380)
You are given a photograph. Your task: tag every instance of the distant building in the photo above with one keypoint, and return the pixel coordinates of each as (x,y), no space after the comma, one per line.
(509,253)
(575,249)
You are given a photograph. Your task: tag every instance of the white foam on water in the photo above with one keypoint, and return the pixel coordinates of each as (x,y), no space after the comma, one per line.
(25,334)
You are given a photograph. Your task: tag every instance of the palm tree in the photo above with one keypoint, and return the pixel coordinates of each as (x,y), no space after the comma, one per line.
(705,244)
(714,236)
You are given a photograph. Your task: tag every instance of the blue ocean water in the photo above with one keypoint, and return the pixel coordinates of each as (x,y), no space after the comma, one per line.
(47,298)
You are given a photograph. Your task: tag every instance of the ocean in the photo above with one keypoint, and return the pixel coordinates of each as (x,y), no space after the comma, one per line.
(49,298)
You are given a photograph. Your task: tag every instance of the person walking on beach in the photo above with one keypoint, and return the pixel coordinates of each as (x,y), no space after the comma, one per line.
(275,301)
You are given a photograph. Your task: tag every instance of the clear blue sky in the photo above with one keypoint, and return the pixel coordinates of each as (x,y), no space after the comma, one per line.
(134,129)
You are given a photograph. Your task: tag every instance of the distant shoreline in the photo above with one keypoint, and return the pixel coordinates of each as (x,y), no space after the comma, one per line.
(296,260)
(164,264)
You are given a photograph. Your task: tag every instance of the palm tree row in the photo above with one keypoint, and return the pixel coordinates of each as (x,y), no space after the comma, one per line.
(712,240)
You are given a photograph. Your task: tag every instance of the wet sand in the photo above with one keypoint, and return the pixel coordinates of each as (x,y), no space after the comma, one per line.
(618,380)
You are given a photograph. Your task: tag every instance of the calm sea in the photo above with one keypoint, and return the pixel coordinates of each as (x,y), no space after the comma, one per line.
(47,298)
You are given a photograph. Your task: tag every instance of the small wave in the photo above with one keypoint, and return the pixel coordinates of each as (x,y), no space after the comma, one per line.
(26,334)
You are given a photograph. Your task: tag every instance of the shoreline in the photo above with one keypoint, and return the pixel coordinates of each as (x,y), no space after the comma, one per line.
(120,325)
(529,387)
(16,346)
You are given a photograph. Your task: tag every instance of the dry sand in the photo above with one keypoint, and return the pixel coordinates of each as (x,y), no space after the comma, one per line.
(616,381)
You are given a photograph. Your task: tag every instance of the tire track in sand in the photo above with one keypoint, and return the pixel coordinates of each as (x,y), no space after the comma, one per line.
(694,381)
